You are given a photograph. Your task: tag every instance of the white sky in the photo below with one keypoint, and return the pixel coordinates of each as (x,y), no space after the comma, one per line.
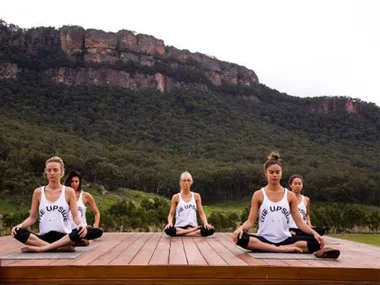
(300,47)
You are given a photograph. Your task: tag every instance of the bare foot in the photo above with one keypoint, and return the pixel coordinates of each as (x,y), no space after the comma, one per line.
(30,248)
(196,233)
(290,248)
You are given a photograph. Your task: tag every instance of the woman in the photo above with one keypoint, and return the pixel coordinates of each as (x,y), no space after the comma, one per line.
(186,204)
(295,184)
(74,180)
(273,205)
(52,203)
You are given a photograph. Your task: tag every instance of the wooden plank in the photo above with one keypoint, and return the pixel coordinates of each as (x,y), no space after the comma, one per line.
(177,253)
(197,275)
(211,256)
(295,263)
(161,253)
(274,262)
(103,246)
(146,252)
(193,255)
(129,253)
(227,242)
(224,253)
(120,246)
(315,263)
(358,264)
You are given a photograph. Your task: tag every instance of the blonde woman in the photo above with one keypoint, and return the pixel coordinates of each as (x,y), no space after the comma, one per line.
(185,205)
(52,204)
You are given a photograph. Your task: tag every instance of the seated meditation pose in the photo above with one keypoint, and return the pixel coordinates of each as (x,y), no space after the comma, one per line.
(185,204)
(273,205)
(74,180)
(52,204)
(296,183)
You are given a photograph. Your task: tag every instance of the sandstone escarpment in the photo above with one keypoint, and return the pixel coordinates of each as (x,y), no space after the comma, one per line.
(124,59)
(327,105)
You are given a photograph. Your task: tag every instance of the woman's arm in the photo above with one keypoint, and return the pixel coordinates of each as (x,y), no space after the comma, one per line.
(173,205)
(307,202)
(293,203)
(33,212)
(72,201)
(252,217)
(202,215)
(91,202)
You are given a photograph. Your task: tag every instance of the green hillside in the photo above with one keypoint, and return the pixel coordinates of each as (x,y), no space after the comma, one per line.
(144,139)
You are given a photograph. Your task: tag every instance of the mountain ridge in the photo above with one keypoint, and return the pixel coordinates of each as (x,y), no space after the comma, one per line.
(142,136)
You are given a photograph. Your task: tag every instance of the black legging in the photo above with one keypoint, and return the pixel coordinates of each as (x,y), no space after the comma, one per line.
(22,235)
(312,244)
(321,231)
(172,231)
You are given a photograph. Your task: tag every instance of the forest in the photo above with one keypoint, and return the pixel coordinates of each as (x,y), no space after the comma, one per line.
(143,139)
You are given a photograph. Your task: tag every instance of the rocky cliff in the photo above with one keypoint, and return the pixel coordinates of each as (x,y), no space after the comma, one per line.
(74,56)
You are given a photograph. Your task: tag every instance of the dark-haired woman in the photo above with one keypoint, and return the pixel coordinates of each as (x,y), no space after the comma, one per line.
(296,183)
(74,180)
(273,205)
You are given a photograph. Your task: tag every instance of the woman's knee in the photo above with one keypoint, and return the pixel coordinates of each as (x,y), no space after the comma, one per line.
(207,232)
(74,236)
(22,235)
(244,240)
(93,233)
(320,231)
(172,231)
(313,246)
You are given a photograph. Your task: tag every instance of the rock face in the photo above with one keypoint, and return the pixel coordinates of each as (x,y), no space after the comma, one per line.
(327,105)
(101,58)
(9,70)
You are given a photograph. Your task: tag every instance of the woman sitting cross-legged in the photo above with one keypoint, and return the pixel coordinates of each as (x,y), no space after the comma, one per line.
(296,183)
(52,203)
(74,180)
(186,204)
(273,205)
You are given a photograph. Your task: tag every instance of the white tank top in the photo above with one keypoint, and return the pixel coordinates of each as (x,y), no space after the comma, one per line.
(54,216)
(81,211)
(186,212)
(302,210)
(274,218)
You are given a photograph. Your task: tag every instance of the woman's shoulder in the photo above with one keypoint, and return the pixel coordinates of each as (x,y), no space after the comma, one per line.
(175,196)
(38,190)
(196,195)
(258,194)
(86,196)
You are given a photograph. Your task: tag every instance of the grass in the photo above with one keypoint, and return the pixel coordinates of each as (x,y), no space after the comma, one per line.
(236,206)
(9,205)
(363,238)
(105,201)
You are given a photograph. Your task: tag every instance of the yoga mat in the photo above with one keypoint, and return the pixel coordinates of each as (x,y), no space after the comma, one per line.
(50,255)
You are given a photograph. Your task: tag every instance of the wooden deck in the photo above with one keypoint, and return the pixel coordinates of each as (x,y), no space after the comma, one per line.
(154,258)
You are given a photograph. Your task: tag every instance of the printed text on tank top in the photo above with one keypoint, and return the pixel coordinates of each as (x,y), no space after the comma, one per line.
(276,208)
(54,214)
(186,211)
(274,216)
(302,206)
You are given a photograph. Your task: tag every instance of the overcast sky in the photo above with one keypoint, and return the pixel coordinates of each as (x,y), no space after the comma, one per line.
(300,47)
